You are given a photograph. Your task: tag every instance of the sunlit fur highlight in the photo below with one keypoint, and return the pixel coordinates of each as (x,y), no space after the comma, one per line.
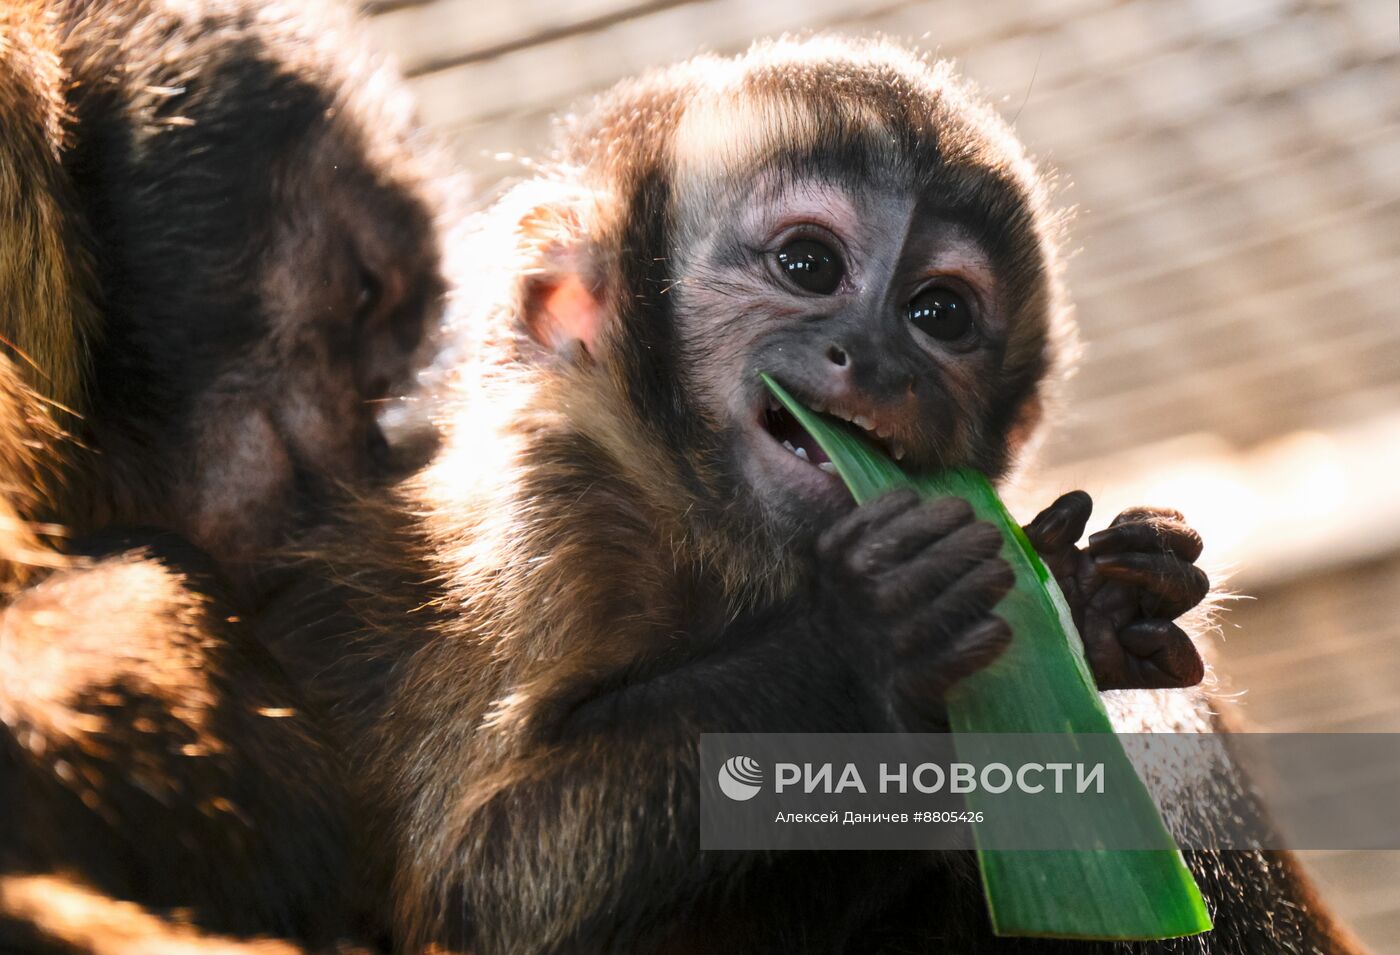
(47,294)
(47,310)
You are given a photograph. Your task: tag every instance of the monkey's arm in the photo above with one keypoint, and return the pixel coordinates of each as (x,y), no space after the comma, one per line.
(1125,589)
(150,749)
(587,841)
(587,835)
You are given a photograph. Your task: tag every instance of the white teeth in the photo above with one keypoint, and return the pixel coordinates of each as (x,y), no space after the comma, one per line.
(800,452)
(864,422)
(898,451)
(828,467)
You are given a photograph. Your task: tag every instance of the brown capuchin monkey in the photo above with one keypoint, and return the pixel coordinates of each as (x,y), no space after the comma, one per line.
(218,254)
(223,257)
(624,543)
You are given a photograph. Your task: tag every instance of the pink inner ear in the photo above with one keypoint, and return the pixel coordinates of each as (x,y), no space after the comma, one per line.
(570,313)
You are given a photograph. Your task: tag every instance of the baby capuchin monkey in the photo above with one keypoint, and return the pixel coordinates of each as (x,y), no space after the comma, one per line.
(625,543)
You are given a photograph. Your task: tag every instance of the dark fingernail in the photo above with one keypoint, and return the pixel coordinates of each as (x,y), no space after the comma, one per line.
(1132,561)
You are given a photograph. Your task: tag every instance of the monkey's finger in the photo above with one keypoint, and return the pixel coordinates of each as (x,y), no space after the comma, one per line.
(940,566)
(907,533)
(1172,585)
(838,538)
(1061,524)
(969,599)
(930,676)
(1155,534)
(1105,655)
(1159,655)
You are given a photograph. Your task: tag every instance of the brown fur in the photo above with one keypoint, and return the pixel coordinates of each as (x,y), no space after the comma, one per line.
(148,747)
(46,281)
(29,444)
(47,313)
(191,194)
(196,195)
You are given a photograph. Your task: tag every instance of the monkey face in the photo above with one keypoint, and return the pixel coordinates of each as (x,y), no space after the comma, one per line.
(346,288)
(268,263)
(350,286)
(866,304)
(845,217)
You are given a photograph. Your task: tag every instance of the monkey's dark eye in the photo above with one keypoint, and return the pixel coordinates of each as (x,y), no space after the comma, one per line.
(811,265)
(367,295)
(941,313)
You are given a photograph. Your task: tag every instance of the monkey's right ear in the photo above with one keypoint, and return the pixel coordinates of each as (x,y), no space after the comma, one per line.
(560,307)
(562,314)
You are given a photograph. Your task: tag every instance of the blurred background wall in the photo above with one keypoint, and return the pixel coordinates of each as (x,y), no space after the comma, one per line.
(1236,169)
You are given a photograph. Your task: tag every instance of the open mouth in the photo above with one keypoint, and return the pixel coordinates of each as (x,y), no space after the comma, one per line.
(784,429)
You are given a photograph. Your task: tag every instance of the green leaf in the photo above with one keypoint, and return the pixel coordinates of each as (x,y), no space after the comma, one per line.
(1041,684)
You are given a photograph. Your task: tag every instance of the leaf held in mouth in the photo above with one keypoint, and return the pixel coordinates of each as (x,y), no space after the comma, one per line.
(1041,684)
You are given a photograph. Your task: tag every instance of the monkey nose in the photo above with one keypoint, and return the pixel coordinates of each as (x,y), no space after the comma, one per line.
(848,375)
(839,372)
(845,375)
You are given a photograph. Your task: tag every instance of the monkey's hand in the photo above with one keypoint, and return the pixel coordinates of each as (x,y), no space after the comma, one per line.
(1125,588)
(909,586)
